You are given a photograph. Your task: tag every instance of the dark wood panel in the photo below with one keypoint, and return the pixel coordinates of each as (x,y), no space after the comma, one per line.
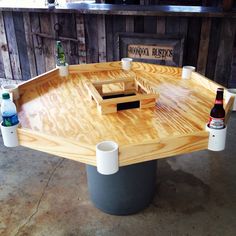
(119,25)
(101,38)
(192,44)
(29,44)
(109,38)
(225,52)
(38,43)
(21,44)
(91,38)
(12,45)
(5,57)
(204,45)
(138,24)
(150,24)
(172,25)
(213,48)
(129,23)
(81,38)
(161,25)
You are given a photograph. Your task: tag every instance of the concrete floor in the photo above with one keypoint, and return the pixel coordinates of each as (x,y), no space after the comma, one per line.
(42,194)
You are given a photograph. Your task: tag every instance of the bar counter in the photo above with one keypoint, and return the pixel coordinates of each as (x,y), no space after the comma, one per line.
(116,9)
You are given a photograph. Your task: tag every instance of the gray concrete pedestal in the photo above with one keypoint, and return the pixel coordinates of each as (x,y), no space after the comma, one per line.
(128,191)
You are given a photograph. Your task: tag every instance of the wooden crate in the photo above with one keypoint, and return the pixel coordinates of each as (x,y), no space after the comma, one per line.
(132,91)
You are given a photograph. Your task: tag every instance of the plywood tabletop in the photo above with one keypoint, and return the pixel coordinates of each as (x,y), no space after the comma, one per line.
(57,115)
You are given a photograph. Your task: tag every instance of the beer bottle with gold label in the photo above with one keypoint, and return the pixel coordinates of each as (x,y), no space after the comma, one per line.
(217,115)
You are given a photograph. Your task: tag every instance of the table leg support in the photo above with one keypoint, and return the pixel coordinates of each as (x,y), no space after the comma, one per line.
(128,191)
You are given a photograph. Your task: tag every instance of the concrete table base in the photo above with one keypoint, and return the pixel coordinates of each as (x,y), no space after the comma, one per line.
(128,191)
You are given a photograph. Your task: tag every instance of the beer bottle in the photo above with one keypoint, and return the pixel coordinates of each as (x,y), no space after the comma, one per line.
(60,55)
(217,115)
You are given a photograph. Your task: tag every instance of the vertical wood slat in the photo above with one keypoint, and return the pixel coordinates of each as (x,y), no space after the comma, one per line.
(192,44)
(48,44)
(109,38)
(30,46)
(225,51)
(21,45)
(161,25)
(81,38)
(204,45)
(68,26)
(4,50)
(172,25)
(91,38)
(213,47)
(150,24)
(37,41)
(12,45)
(129,22)
(101,38)
(119,25)
(183,30)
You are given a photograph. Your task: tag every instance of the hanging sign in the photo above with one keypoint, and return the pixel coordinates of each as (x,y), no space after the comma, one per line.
(152,52)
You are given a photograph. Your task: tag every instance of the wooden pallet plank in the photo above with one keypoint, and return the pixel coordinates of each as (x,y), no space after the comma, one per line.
(225,52)
(213,47)
(119,25)
(192,44)
(204,45)
(109,38)
(5,50)
(38,43)
(29,43)
(81,38)
(129,24)
(22,45)
(101,38)
(161,25)
(91,38)
(48,44)
(12,45)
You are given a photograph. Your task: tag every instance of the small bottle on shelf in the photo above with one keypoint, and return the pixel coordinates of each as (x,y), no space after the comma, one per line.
(217,114)
(8,111)
(60,55)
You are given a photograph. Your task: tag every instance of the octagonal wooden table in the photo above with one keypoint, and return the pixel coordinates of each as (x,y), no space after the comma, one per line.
(57,116)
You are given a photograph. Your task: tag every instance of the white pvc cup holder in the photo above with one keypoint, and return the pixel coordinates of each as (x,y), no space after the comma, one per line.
(9,135)
(12,89)
(217,139)
(187,72)
(126,63)
(231,93)
(63,70)
(107,157)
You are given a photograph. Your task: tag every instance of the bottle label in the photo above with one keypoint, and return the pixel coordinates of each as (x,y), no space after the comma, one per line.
(10,120)
(218,101)
(216,123)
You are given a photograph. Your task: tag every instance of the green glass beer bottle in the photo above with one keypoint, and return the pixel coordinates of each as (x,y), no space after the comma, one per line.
(61,61)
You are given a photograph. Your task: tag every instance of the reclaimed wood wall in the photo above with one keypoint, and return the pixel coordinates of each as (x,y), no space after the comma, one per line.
(27,40)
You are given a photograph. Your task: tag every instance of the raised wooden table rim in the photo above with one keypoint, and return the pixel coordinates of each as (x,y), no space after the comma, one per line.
(129,153)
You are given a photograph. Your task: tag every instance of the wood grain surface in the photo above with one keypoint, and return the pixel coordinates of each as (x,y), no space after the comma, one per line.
(57,116)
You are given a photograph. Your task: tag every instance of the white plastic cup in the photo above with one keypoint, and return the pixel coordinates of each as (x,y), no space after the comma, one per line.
(9,135)
(187,71)
(126,63)
(231,93)
(63,70)
(107,157)
(12,89)
(217,139)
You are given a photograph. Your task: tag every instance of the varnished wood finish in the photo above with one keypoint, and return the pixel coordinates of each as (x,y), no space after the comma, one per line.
(58,117)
